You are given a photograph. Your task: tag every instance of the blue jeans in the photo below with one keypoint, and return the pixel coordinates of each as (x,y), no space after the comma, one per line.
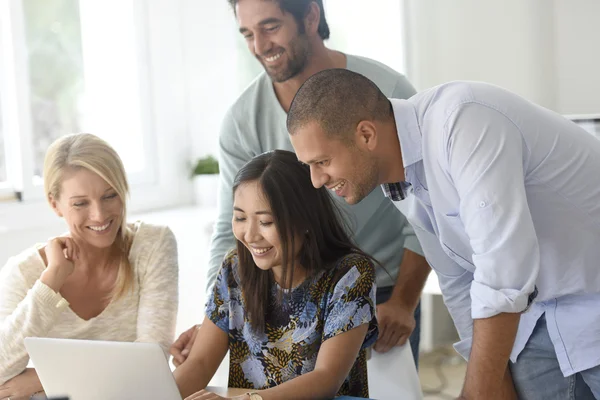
(537,374)
(383,295)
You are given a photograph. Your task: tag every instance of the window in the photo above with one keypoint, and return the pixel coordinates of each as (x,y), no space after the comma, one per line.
(66,69)
(2,156)
(55,80)
(373,29)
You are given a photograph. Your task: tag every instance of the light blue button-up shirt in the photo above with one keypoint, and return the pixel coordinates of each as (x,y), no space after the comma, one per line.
(507,201)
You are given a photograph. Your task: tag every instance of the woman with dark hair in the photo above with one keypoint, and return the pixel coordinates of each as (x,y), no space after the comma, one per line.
(294,303)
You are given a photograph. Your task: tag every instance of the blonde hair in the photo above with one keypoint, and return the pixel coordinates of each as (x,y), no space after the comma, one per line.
(84,150)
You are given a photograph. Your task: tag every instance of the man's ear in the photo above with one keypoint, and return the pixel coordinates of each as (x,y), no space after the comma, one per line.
(54,204)
(312,18)
(366,135)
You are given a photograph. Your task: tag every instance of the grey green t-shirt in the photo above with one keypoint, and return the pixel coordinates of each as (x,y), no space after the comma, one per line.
(256,123)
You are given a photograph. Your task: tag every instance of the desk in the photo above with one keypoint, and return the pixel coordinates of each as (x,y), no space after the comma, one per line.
(236,392)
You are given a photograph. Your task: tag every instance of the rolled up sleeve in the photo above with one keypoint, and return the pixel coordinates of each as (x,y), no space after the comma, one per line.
(485,153)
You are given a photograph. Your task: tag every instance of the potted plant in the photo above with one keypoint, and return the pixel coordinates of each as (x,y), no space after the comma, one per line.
(205,176)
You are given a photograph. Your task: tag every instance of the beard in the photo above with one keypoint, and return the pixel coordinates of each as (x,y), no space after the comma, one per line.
(365,179)
(297,52)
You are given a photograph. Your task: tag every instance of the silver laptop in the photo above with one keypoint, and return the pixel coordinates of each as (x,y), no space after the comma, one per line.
(98,370)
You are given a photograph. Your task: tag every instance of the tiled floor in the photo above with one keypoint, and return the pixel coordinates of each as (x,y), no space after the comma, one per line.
(441,373)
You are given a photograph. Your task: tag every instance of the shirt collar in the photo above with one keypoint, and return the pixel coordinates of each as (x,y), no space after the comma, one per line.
(396,191)
(409,136)
(409,132)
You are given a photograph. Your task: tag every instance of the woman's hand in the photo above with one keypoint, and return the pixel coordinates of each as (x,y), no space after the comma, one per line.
(21,386)
(61,253)
(206,395)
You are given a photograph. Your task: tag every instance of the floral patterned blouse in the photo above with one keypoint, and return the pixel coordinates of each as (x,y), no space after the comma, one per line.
(333,302)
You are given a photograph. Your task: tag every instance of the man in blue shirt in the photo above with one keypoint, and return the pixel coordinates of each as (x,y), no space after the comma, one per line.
(504,196)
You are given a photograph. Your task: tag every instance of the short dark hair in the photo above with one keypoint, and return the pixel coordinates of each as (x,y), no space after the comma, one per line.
(299,9)
(297,208)
(337,99)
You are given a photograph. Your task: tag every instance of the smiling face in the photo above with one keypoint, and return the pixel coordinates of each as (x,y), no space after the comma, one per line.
(91,207)
(254,226)
(343,167)
(274,38)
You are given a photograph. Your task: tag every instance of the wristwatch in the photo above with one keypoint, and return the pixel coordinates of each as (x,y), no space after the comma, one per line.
(254,396)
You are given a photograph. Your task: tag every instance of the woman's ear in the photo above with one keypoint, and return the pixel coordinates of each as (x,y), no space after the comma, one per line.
(55,205)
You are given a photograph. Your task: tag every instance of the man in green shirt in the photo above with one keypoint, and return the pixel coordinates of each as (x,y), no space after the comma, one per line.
(287,37)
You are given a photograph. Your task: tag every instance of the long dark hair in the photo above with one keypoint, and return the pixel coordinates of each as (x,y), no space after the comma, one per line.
(297,208)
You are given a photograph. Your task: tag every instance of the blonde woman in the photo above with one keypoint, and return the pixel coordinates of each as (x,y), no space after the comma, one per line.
(104,279)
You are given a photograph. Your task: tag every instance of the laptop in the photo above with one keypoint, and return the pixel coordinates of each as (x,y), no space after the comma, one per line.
(99,370)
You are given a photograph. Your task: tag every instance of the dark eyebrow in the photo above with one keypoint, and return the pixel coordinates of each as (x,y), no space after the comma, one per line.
(266,21)
(257,213)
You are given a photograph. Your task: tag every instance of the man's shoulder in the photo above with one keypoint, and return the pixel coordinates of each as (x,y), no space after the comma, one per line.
(256,93)
(443,101)
(391,82)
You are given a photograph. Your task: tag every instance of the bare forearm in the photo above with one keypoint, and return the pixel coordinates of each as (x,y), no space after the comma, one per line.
(413,274)
(313,385)
(487,372)
(191,377)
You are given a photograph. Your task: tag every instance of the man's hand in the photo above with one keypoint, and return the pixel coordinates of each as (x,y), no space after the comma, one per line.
(396,323)
(21,386)
(180,350)
(396,317)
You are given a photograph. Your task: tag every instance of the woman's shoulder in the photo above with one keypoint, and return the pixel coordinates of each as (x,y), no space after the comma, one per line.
(143,230)
(152,246)
(230,264)
(228,278)
(361,262)
(346,271)
(231,258)
(147,236)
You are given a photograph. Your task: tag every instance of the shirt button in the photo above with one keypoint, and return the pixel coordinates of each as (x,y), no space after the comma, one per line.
(482,204)
(418,190)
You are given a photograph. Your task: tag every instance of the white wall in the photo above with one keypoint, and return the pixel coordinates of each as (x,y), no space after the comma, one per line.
(371,29)
(507,42)
(577,55)
(542,49)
